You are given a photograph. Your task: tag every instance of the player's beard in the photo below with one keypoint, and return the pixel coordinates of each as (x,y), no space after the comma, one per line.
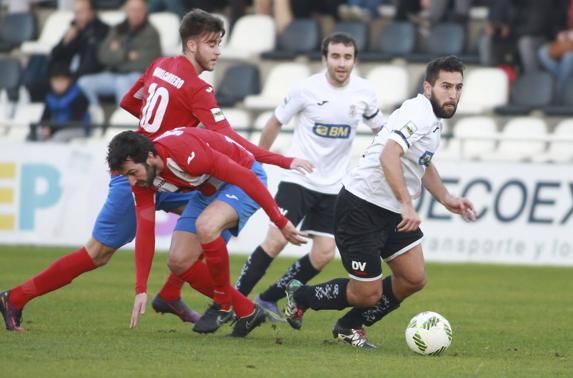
(439,110)
(151,174)
(204,62)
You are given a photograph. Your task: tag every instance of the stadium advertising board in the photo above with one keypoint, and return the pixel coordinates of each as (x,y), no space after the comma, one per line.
(51,194)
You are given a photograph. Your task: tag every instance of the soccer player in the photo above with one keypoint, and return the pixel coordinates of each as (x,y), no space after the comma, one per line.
(219,170)
(375,217)
(168,95)
(329,105)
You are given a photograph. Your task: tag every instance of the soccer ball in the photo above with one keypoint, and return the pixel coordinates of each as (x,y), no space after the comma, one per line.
(429,333)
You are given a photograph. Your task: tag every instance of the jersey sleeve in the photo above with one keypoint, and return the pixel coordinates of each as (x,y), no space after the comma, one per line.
(292,104)
(407,127)
(206,109)
(144,236)
(133,99)
(220,166)
(373,116)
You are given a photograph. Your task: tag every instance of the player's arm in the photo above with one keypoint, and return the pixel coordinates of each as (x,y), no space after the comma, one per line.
(373,116)
(206,109)
(223,168)
(133,99)
(392,167)
(270,133)
(144,248)
(457,205)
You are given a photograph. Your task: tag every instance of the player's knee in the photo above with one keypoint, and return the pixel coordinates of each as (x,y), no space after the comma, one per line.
(321,257)
(274,245)
(177,263)
(365,296)
(416,282)
(207,230)
(99,252)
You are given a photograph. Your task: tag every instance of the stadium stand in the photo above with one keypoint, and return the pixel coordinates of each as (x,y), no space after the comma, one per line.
(251,35)
(530,91)
(522,138)
(396,39)
(301,36)
(563,104)
(484,89)
(15,28)
(238,82)
(560,148)
(390,83)
(54,29)
(473,138)
(446,38)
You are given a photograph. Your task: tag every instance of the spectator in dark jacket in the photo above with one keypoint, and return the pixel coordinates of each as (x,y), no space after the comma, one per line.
(64,104)
(126,52)
(79,46)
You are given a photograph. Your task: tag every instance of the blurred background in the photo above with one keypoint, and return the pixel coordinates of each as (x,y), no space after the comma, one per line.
(509,148)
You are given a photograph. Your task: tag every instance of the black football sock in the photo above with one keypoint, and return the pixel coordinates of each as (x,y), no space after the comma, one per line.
(301,270)
(253,270)
(356,317)
(330,295)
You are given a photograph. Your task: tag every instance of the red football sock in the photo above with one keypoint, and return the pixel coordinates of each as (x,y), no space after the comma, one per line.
(199,278)
(171,290)
(59,274)
(217,259)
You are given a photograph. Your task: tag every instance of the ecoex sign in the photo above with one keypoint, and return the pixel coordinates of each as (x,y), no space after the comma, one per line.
(525,214)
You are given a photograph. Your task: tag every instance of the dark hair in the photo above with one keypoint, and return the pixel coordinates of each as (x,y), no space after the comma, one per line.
(60,69)
(198,22)
(336,38)
(450,63)
(128,145)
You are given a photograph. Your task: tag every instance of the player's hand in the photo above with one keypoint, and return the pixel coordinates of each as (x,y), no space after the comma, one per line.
(301,165)
(293,235)
(410,219)
(139,305)
(462,206)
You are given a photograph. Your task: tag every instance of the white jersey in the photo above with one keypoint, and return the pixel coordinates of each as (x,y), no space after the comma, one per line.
(327,122)
(415,127)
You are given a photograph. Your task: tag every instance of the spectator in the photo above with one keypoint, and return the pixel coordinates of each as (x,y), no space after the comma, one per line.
(361,10)
(126,52)
(557,56)
(64,104)
(525,24)
(17,6)
(79,46)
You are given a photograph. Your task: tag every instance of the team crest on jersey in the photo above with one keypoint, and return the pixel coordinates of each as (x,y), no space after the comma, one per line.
(408,129)
(332,131)
(352,111)
(217,114)
(426,158)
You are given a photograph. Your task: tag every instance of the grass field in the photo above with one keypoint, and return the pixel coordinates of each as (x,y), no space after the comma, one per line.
(507,321)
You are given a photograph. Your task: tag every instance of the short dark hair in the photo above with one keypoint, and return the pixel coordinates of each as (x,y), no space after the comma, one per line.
(198,22)
(336,38)
(60,69)
(128,145)
(450,63)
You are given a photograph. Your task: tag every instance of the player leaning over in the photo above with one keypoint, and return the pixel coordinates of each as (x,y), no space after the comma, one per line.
(169,94)
(329,106)
(375,217)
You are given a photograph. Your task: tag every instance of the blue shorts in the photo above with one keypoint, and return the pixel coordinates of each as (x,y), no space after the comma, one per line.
(244,205)
(116,223)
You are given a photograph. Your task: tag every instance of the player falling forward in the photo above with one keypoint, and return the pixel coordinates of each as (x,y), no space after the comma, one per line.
(169,94)
(375,217)
(216,168)
(330,105)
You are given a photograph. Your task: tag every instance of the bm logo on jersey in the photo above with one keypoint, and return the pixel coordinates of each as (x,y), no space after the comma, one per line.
(332,131)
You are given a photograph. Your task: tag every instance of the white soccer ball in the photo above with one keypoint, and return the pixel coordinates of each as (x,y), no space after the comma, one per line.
(429,333)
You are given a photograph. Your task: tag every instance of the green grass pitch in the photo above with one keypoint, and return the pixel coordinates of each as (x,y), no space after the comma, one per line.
(506,320)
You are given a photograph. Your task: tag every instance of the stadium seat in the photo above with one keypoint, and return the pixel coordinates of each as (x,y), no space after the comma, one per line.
(358,30)
(167,24)
(529,92)
(279,81)
(563,104)
(240,120)
(560,149)
(484,89)
(239,81)
(520,140)
(15,28)
(19,124)
(251,35)
(54,29)
(301,36)
(447,38)
(396,39)
(470,139)
(10,77)
(112,17)
(390,83)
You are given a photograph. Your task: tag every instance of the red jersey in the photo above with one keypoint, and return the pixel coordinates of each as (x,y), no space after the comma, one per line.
(170,94)
(195,159)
